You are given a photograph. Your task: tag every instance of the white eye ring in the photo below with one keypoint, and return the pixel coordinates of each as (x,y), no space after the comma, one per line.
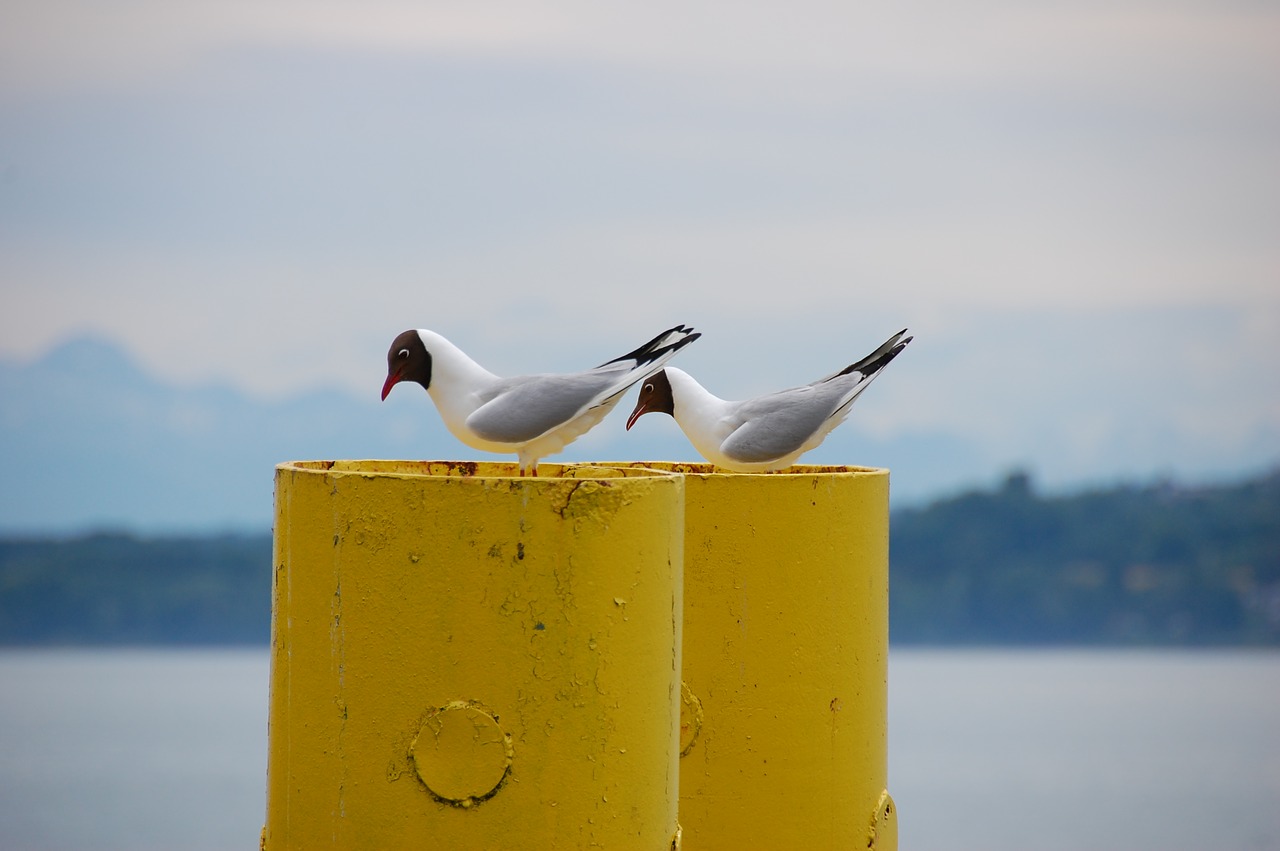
(648,388)
(402,354)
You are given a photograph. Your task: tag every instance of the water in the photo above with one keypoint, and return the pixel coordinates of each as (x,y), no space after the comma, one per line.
(992,750)
(133,750)
(1131,751)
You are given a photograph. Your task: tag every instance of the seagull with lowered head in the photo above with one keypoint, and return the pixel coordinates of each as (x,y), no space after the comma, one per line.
(768,432)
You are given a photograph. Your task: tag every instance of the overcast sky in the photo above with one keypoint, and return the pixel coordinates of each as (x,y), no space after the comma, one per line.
(1074,206)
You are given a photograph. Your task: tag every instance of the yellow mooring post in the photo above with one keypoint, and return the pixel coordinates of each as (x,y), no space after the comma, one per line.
(786,631)
(465,659)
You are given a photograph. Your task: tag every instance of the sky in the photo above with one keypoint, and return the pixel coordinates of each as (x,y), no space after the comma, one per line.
(1075,207)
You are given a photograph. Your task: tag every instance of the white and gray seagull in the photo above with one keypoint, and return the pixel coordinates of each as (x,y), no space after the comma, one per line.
(768,432)
(531,415)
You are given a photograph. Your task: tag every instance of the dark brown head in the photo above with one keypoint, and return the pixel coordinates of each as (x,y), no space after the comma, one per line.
(407,360)
(655,397)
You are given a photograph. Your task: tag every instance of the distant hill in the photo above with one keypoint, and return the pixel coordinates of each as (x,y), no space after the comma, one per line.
(1157,565)
(90,440)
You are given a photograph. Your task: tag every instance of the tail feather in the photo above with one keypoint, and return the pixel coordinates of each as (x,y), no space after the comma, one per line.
(867,369)
(878,359)
(668,342)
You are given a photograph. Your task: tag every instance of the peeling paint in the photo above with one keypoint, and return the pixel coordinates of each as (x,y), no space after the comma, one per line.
(882,835)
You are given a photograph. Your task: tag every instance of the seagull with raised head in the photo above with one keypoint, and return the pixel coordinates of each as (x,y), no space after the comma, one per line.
(768,432)
(531,415)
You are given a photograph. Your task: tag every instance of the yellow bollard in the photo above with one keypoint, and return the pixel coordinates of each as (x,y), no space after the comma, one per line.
(786,631)
(462,659)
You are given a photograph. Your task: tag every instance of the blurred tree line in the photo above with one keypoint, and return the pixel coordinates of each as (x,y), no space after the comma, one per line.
(111,588)
(1160,564)
(1152,565)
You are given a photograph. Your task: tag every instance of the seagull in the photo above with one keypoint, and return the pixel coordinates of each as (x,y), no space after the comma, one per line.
(768,432)
(530,415)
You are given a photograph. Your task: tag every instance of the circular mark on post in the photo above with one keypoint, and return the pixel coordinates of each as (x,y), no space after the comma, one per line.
(461,753)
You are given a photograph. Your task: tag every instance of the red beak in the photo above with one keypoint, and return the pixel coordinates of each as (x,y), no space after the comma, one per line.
(392,381)
(635,415)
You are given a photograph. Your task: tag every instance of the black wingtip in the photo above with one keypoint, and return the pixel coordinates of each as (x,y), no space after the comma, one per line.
(880,358)
(651,350)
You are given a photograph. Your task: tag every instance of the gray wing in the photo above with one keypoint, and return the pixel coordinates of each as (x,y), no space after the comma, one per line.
(518,410)
(780,423)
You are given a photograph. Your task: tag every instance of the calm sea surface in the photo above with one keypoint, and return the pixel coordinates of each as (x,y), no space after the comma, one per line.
(991,750)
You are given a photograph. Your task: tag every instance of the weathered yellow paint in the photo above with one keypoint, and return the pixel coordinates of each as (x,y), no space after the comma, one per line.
(786,630)
(884,827)
(464,659)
